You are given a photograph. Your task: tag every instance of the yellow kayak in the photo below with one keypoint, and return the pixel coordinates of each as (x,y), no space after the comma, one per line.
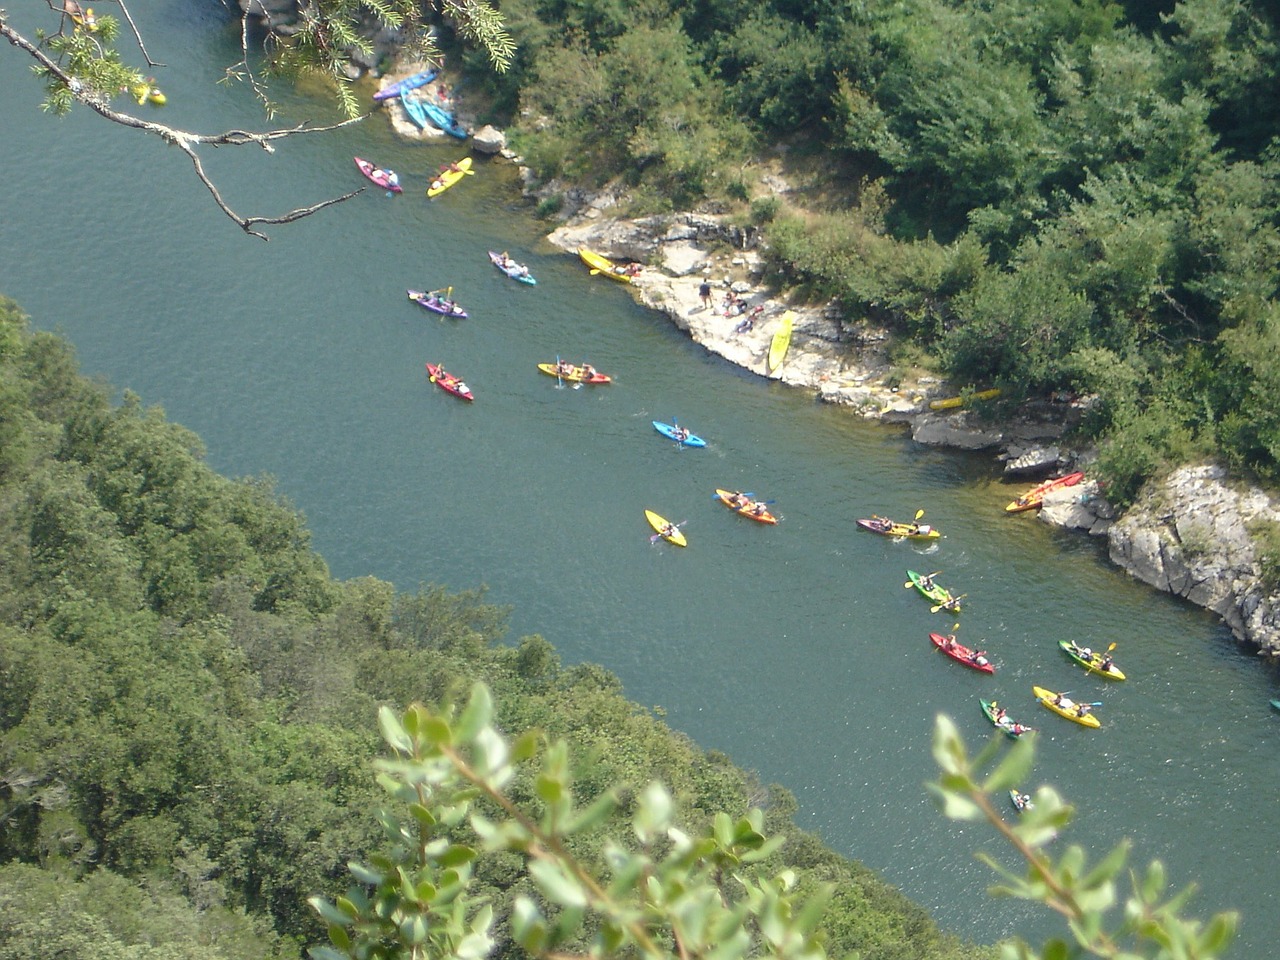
(1067,708)
(781,340)
(666,529)
(951,403)
(447,178)
(605,267)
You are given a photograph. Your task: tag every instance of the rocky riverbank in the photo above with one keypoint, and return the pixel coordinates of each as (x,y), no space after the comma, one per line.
(1188,534)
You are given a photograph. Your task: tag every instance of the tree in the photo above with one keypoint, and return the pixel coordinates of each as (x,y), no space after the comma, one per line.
(80,64)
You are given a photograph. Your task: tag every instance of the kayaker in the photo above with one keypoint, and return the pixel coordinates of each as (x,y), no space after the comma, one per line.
(739,499)
(758,510)
(1000,715)
(588,371)
(668,530)
(1106,664)
(980,658)
(1082,709)
(927,581)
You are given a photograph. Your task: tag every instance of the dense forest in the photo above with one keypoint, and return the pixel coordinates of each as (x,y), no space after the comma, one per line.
(1051,196)
(189,703)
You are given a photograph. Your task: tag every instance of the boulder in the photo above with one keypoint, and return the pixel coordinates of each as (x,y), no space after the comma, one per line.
(955,430)
(489,140)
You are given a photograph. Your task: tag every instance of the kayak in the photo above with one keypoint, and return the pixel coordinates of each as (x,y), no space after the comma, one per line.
(891,528)
(1068,708)
(575,374)
(412,82)
(781,340)
(1020,801)
(512,269)
(146,93)
(1276,704)
(441,118)
(1034,497)
(434,302)
(447,178)
(952,403)
(386,179)
(962,654)
(939,595)
(754,509)
(448,382)
(1091,661)
(678,434)
(661,523)
(604,266)
(1010,729)
(81,17)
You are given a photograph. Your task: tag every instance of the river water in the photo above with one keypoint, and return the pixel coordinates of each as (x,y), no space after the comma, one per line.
(794,649)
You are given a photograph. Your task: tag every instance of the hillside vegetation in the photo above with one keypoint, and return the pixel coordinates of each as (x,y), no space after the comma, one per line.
(188,704)
(1046,195)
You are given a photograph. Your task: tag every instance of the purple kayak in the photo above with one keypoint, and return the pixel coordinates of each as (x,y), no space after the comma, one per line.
(386,179)
(433,301)
(408,83)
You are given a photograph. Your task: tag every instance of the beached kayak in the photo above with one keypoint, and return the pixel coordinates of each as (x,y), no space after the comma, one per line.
(891,528)
(1091,660)
(679,434)
(431,300)
(958,652)
(413,82)
(515,271)
(386,179)
(667,530)
(575,374)
(448,382)
(744,505)
(449,176)
(940,596)
(1034,498)
(603,265)
(999,719)
(1066,707)
(781,341)
(954,403)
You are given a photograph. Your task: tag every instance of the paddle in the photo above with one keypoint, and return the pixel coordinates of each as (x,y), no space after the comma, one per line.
(679,439)
(947,603)
(927,576)
(676,526)
(559,381)
(716,496)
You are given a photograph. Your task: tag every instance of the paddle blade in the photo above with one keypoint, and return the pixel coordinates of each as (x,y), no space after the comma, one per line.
(919,513)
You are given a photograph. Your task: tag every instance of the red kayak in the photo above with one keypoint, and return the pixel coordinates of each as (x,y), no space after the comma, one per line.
(962,654)
(448,382)
(386,179)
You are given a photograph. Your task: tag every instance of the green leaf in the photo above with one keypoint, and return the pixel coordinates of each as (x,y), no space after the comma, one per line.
(1219,933)
(477,714)
(327,953)
(1013,769)
(954,806)
(948,748)
(392,731)
(328,912)
(653,812)
(1109,866)
(436,731)
(413,930)
(600,810)
(556,885)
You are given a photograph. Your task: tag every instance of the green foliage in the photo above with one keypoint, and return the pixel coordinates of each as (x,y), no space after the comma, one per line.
(1151,923)
(1266,544)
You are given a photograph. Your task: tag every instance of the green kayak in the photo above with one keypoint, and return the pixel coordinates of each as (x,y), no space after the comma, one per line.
(940,596)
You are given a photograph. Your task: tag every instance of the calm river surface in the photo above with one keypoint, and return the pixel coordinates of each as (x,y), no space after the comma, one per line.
(794,649)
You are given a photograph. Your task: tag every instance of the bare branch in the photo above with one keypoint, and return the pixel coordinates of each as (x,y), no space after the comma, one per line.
(185,140)
(138,36)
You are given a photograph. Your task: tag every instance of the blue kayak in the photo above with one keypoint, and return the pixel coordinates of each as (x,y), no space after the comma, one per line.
(678,434)
(444,119)
(408,83)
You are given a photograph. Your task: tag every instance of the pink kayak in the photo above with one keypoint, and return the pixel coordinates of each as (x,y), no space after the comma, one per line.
(386,179)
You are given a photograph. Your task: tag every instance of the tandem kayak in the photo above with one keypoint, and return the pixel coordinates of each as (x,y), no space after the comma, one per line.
(386,179)
(447,177)
(1091,660)
(603,265)
(742,504)
(958,652)
(781,340)
(1021,801)
(999,719)
(448,382)
(940,596)
(1066,707)
(431,300)
(891,528)
(666,529)
(515,271)
(575,374)
(1034,498)
(679,434)
(442,119)
(412,82)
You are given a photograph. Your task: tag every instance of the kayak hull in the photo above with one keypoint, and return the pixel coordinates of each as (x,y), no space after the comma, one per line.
(1033,499)
(412,82)
(781,341)
(1010,729)
(726,497)
(659,522)
(1046,700)
(444,307)
(515,271)
(575,375)
(954,403)
(603,265)
(1092,664)
(960,653)
(448,178)
(377,176)
(890,528)
(936,594)
(448,382)
(669,431)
